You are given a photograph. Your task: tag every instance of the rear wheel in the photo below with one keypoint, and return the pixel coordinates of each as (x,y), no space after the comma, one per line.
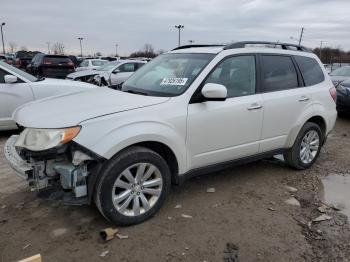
(133,186)
(306,147)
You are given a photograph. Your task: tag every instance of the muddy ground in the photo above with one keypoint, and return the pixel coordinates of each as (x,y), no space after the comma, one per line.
(247,210)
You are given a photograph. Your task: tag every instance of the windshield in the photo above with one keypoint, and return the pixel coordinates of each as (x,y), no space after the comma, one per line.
(167,75)
(343,71)
(108,66)
(98,62)
(18,72)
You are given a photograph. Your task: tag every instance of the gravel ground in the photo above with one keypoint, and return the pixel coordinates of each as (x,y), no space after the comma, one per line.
(246,214)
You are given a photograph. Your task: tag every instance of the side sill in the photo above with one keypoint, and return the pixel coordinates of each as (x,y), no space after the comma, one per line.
(224,165)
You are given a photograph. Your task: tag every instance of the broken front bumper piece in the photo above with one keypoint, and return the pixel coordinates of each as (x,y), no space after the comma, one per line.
(57,176)
(21,167)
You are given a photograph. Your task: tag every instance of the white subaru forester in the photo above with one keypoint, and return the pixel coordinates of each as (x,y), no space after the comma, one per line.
(190,111)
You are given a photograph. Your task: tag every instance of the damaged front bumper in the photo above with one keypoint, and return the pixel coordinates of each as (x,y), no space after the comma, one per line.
(60,173)
(21,167)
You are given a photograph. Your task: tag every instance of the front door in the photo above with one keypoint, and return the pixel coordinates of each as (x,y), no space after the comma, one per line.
(11,97)
(219,131)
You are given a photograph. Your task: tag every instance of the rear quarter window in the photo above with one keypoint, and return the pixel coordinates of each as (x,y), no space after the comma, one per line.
(310,70)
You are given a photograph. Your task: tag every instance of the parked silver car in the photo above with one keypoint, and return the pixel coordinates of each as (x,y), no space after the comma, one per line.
(111,74)
(88,64)
(18,87)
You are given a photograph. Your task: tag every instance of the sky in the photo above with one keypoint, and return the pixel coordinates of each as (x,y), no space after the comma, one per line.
(132,23)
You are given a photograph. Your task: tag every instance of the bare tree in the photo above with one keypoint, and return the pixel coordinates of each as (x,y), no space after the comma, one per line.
(12,47)
(58,48)
(148,49)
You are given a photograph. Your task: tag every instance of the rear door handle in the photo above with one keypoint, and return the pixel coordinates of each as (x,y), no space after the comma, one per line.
(254,106)
(303,98)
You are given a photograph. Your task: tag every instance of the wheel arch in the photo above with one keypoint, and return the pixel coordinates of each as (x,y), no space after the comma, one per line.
(318,119)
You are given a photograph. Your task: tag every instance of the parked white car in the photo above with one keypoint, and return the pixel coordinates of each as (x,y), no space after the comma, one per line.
(194,110)
(18,87)
(110,74)
(90,64)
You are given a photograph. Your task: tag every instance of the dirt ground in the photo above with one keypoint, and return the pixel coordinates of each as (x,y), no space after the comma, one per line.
(247,211)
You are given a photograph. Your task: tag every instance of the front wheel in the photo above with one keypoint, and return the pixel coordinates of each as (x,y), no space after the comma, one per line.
(306,148)
(133,186)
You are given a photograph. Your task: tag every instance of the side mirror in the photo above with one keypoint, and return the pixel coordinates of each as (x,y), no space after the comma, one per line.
(116,71)
(10,79)
(214,92)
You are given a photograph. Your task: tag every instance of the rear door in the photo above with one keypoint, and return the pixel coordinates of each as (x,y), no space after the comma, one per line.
(284,97)
(11,97)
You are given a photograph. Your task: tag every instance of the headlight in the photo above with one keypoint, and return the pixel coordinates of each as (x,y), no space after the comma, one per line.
(41,139)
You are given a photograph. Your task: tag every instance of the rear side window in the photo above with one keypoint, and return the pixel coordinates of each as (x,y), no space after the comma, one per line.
(310,70)
(278,73)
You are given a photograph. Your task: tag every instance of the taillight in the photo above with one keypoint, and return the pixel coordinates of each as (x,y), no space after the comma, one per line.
(18,62)
(333,93)
(47,62)
(70,63)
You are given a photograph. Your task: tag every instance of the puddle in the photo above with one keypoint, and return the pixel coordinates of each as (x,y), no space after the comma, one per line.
(337,192)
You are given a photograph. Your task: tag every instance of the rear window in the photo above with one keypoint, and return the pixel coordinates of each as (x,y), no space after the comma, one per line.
(25,54)
(57,59)
(98,62)
(278,73)
(310,70)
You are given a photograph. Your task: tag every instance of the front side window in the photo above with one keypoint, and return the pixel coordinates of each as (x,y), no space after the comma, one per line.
(129,67)
(310,70)
(237,74)
(18,72)
(168,74)
(278,73)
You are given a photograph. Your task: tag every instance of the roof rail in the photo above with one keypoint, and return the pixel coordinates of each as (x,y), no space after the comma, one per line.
(285,46)
(190,46)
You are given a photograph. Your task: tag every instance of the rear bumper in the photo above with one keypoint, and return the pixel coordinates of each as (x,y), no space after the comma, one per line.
(21,167)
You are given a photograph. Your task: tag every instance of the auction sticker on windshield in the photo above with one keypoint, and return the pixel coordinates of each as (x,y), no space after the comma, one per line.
(174,81)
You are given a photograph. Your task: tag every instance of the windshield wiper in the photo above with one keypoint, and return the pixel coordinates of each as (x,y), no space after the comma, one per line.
(136,92)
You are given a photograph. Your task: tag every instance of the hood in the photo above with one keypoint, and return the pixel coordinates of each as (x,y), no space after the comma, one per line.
(71,109)
(83,73)
(54,87)
(338,79)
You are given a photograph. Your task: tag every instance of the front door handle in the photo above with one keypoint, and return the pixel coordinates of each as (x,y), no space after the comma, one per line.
(303,98)
(254,106)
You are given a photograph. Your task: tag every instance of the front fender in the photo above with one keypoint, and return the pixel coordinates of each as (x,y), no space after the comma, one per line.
(108,143)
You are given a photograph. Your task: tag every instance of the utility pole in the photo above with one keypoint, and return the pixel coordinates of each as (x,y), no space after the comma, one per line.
(81,47)
(116,50)
(2,37)
(301,35)
(321,50)
(179,27)
(48,47)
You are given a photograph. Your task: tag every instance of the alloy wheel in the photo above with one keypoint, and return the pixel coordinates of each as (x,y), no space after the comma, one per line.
(137,189)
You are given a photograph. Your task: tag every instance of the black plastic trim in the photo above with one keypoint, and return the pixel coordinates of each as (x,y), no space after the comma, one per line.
(224,165)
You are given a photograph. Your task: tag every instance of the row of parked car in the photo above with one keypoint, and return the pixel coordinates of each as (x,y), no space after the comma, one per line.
(104,71)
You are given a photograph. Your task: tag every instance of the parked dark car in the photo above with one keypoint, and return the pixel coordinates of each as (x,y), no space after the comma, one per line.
(74,60)
(343,97)
(22,58)
(54,66)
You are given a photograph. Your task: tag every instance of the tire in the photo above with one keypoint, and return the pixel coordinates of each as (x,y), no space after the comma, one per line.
(115,183)
(293,156)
